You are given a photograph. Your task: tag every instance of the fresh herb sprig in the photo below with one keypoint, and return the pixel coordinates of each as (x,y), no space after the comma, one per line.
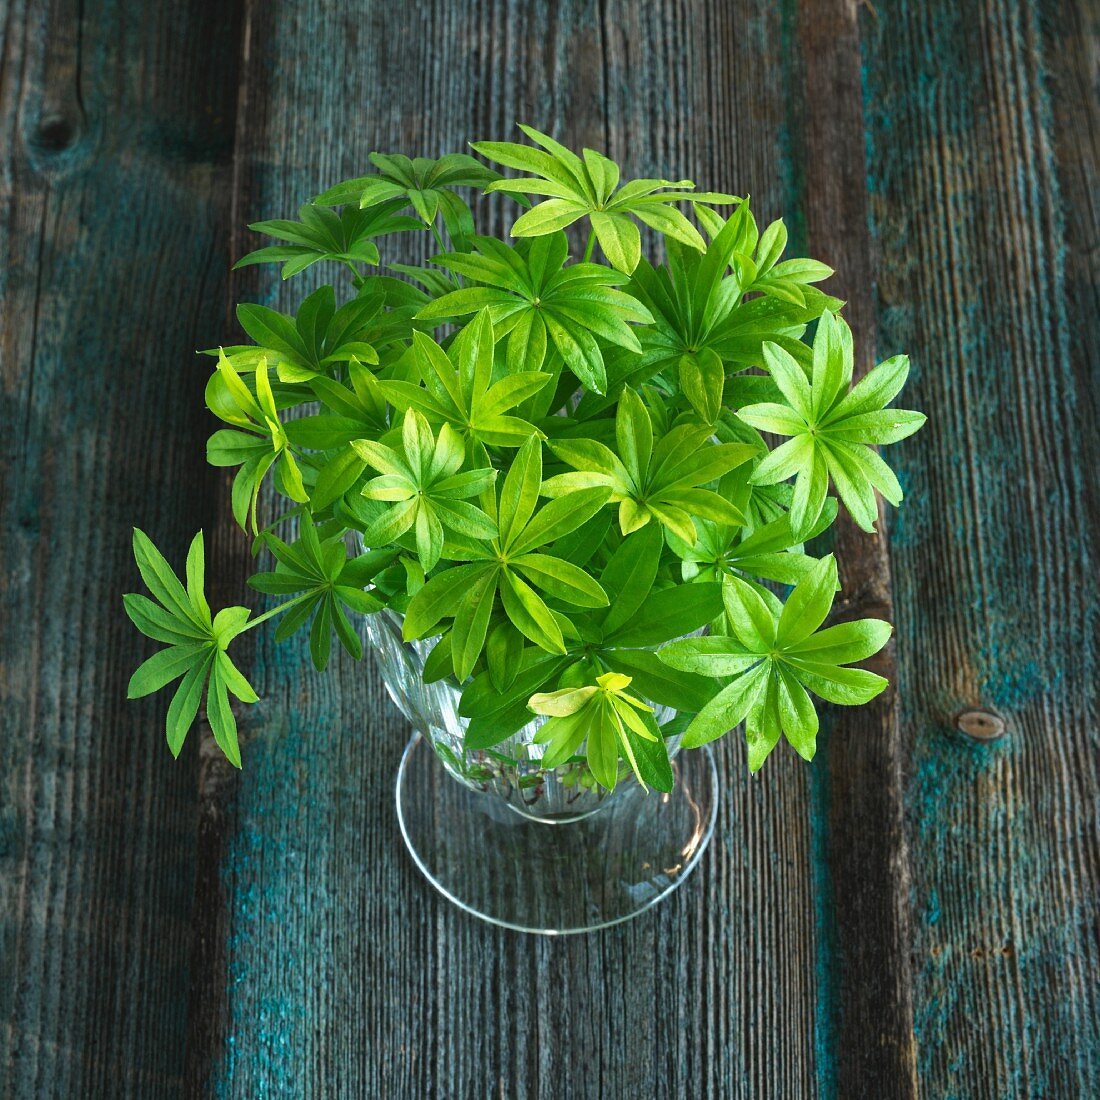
(554,464)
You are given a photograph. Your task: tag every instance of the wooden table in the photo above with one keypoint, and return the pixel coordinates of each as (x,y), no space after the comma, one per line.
(916,912)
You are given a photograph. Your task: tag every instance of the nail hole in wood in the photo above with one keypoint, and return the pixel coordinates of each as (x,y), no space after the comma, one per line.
(981,724)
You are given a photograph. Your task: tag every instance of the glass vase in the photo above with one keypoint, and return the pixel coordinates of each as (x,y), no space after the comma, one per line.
(531,848)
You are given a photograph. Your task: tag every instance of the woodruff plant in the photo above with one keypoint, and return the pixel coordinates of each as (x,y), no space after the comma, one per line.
(555,465)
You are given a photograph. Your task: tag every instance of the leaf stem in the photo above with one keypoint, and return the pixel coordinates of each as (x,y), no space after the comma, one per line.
(591,244)
(438,236)
(274,611)
(359,275)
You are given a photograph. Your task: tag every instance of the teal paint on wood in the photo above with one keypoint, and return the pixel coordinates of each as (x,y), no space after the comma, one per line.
(861,865)
(114,157)
(995,580)
(295,950)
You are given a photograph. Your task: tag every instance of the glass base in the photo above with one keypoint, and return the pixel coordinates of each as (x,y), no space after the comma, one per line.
(552,876)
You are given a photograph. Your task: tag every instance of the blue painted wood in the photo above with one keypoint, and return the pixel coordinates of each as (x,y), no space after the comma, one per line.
(865,1014)
(983,145)
(115,143)
(914,914)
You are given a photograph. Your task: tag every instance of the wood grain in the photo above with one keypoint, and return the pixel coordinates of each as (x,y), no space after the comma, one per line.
(116,126)
(916,914)
(982,281)
(858,785)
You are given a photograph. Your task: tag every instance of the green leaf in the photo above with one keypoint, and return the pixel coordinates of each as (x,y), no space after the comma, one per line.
(471,625)
(481,699)
(165,666)
(656,681)
(845,643)
(563,736)
(220,716)
(185,702)
(749,617)
(797,715)
(619,238)
(649,754)
(561,579)
(628,576)
(160,625)
(532,618)
(727,709)
(763,725)
(669,613)
(716,655)
(702,380)
(196,578)
(848,687)
(520,491)
(439,598)
(162,582)
(558,519)
(633,431)
(503,653)
(808,604)
(603,753)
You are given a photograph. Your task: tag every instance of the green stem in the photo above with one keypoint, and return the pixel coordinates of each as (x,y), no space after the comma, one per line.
(591,244)
(276,611)
(438,236)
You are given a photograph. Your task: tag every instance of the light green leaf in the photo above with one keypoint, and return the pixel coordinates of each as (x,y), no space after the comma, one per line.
(727,709)
(165,666)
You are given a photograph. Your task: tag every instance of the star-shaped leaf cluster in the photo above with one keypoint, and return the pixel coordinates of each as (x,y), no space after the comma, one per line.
(511,569)
(704,326)
(588,186)
(319,339)
(429,494)
(424,184)
(542,305)
(833,427)
(322,234)
(609,722)
(324,585)
(769,553)
(652,479)
(196,644)
(620,637)
(772,657)
(458,388)
(263,443)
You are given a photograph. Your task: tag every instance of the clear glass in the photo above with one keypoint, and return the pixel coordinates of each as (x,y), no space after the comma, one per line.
(527,847)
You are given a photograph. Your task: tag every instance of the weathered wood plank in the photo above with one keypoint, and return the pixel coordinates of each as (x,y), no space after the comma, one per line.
(866,1023)
(320,963)
(983,196)
(346,973)
(116,136)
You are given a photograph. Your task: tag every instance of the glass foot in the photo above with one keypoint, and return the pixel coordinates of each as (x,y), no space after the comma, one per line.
(554,877)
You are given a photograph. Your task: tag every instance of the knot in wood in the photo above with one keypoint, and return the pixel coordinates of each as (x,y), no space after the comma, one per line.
(54,134)
(981,724)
